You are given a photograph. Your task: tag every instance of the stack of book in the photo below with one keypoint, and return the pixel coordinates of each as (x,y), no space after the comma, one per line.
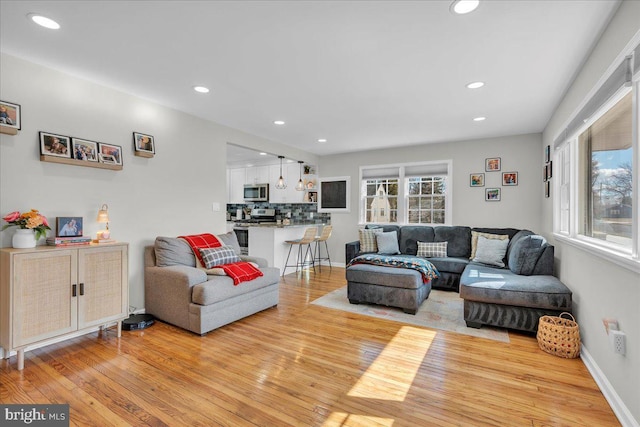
(68,241)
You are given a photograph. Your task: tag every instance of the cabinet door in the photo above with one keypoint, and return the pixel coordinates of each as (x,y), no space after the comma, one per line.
(236,185)
(103,294)
(43,304)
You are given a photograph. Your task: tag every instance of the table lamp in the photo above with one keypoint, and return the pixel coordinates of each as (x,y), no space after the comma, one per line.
(103,218)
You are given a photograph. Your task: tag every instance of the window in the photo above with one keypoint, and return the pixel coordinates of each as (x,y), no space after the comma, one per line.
(596,163)
(415,193)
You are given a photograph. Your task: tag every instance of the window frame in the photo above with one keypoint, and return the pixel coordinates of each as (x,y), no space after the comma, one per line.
(403,193)
(620,255)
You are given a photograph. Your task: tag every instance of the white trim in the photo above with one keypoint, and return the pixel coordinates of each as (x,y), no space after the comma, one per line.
(617,405)
(621,259)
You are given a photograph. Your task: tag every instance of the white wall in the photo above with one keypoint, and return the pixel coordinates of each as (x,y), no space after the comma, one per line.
(170,194)
(601,288)
(519,207)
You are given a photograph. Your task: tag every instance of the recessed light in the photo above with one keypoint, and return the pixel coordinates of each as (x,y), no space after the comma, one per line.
(278,122)
(479,119)
(43,21)
(464,6)
(475,85)
(322,140)
(201,89)
(263,154)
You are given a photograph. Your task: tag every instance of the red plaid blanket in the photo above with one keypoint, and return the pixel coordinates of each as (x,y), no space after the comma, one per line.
(239,271)
(197,241)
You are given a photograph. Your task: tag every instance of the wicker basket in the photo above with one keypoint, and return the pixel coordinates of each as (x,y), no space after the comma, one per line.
(559,336)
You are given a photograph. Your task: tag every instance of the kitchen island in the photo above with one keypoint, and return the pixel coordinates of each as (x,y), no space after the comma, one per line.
(269,242)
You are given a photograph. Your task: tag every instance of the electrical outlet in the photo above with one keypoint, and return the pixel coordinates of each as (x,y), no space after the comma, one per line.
(618,341)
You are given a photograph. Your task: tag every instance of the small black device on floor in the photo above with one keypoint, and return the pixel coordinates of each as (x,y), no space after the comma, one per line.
(137,321)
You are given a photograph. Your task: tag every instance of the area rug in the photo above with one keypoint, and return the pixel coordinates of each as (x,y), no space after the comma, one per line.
(442,310)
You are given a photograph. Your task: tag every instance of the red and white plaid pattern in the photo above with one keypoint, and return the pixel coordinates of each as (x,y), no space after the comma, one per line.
(241,271)
(197,241)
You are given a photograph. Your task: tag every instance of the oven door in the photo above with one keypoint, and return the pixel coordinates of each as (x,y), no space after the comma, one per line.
(242,233)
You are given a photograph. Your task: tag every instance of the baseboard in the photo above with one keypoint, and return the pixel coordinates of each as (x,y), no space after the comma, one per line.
(619,408)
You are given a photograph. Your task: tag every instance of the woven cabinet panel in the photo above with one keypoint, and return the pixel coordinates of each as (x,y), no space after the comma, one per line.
(101,273)
(42,299)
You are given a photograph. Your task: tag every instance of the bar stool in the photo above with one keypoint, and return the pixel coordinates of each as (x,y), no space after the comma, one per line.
(326,233)
(301,261)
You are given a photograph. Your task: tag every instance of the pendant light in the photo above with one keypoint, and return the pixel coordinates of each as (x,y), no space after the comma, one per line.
(300,184)
(281,185)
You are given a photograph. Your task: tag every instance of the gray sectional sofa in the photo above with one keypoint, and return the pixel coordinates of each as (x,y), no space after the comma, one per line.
(179,293)
(513,296)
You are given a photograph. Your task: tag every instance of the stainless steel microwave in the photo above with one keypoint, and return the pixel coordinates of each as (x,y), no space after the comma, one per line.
(256,192)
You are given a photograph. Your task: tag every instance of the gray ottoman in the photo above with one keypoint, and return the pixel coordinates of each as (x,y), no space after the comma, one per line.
(499,297)
(390,286)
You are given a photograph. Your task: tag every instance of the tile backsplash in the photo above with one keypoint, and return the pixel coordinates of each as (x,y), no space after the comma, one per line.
(299,211)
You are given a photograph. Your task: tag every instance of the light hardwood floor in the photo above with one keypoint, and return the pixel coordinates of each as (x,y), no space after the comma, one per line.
(304,365)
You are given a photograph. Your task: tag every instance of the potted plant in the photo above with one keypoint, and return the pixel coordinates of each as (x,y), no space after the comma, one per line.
(31,226)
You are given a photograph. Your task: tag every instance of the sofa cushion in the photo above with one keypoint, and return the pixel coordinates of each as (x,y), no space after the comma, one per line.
(410,235)
(213,257)
(501,286)
(221,288)
(384,276)
(459,239)
(513,240)
(387,243)
(450,264)
(230,239)
(525,254)
(173,251)
(491,251)
(432,249)
(368,241)
(474,240)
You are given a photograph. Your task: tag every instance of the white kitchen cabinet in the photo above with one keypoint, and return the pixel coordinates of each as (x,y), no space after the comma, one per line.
(236,180)
(257,175)
(51,292)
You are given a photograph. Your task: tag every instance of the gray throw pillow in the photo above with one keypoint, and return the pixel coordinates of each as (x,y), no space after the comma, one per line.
(491,251)
(230,239)
(173,251)
(525,253)
(388,243)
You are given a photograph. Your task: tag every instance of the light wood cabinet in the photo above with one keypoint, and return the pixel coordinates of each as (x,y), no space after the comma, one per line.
(48,292)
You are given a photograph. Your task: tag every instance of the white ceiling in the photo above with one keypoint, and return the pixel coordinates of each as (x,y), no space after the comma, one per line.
(362,74)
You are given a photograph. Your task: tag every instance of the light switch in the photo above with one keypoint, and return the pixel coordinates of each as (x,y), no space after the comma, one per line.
(215,207)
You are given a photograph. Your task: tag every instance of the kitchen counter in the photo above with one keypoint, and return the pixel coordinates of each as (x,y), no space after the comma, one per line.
(268,241)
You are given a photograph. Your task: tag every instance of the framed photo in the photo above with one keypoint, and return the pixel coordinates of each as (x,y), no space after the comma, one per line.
(476,180)
(10,115)
(547,189)
(492,164)
(334,194)
(143,143)
(55,145)
(111,154)
(83,149)
(509,178)
(492,195)
(545,173)
(311,196)
(547,154)
(68,226)
(549,170)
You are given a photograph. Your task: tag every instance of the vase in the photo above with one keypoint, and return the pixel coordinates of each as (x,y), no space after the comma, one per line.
(24,238)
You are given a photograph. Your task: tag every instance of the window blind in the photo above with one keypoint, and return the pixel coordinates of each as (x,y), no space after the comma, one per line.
(426,169)
(381,172)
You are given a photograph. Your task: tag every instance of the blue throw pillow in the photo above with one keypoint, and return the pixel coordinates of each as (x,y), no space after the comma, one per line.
(525,253)
(388,243)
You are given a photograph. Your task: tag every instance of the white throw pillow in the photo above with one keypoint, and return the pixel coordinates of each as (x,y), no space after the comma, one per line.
(388,243)
(491,251)
(368,242)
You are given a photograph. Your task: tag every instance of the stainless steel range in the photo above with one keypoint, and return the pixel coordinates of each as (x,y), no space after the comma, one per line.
(258,217)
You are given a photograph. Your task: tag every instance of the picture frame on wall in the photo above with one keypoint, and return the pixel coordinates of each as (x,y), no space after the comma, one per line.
(55,145)
(545,173)
(84,150)
(547,154)
(144,144)
(110,154)
(509,178)
(492,195)
(549,170)
(476,180)
(547,189)
(10,115)
(492,164)
(69,226)
(334,194)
